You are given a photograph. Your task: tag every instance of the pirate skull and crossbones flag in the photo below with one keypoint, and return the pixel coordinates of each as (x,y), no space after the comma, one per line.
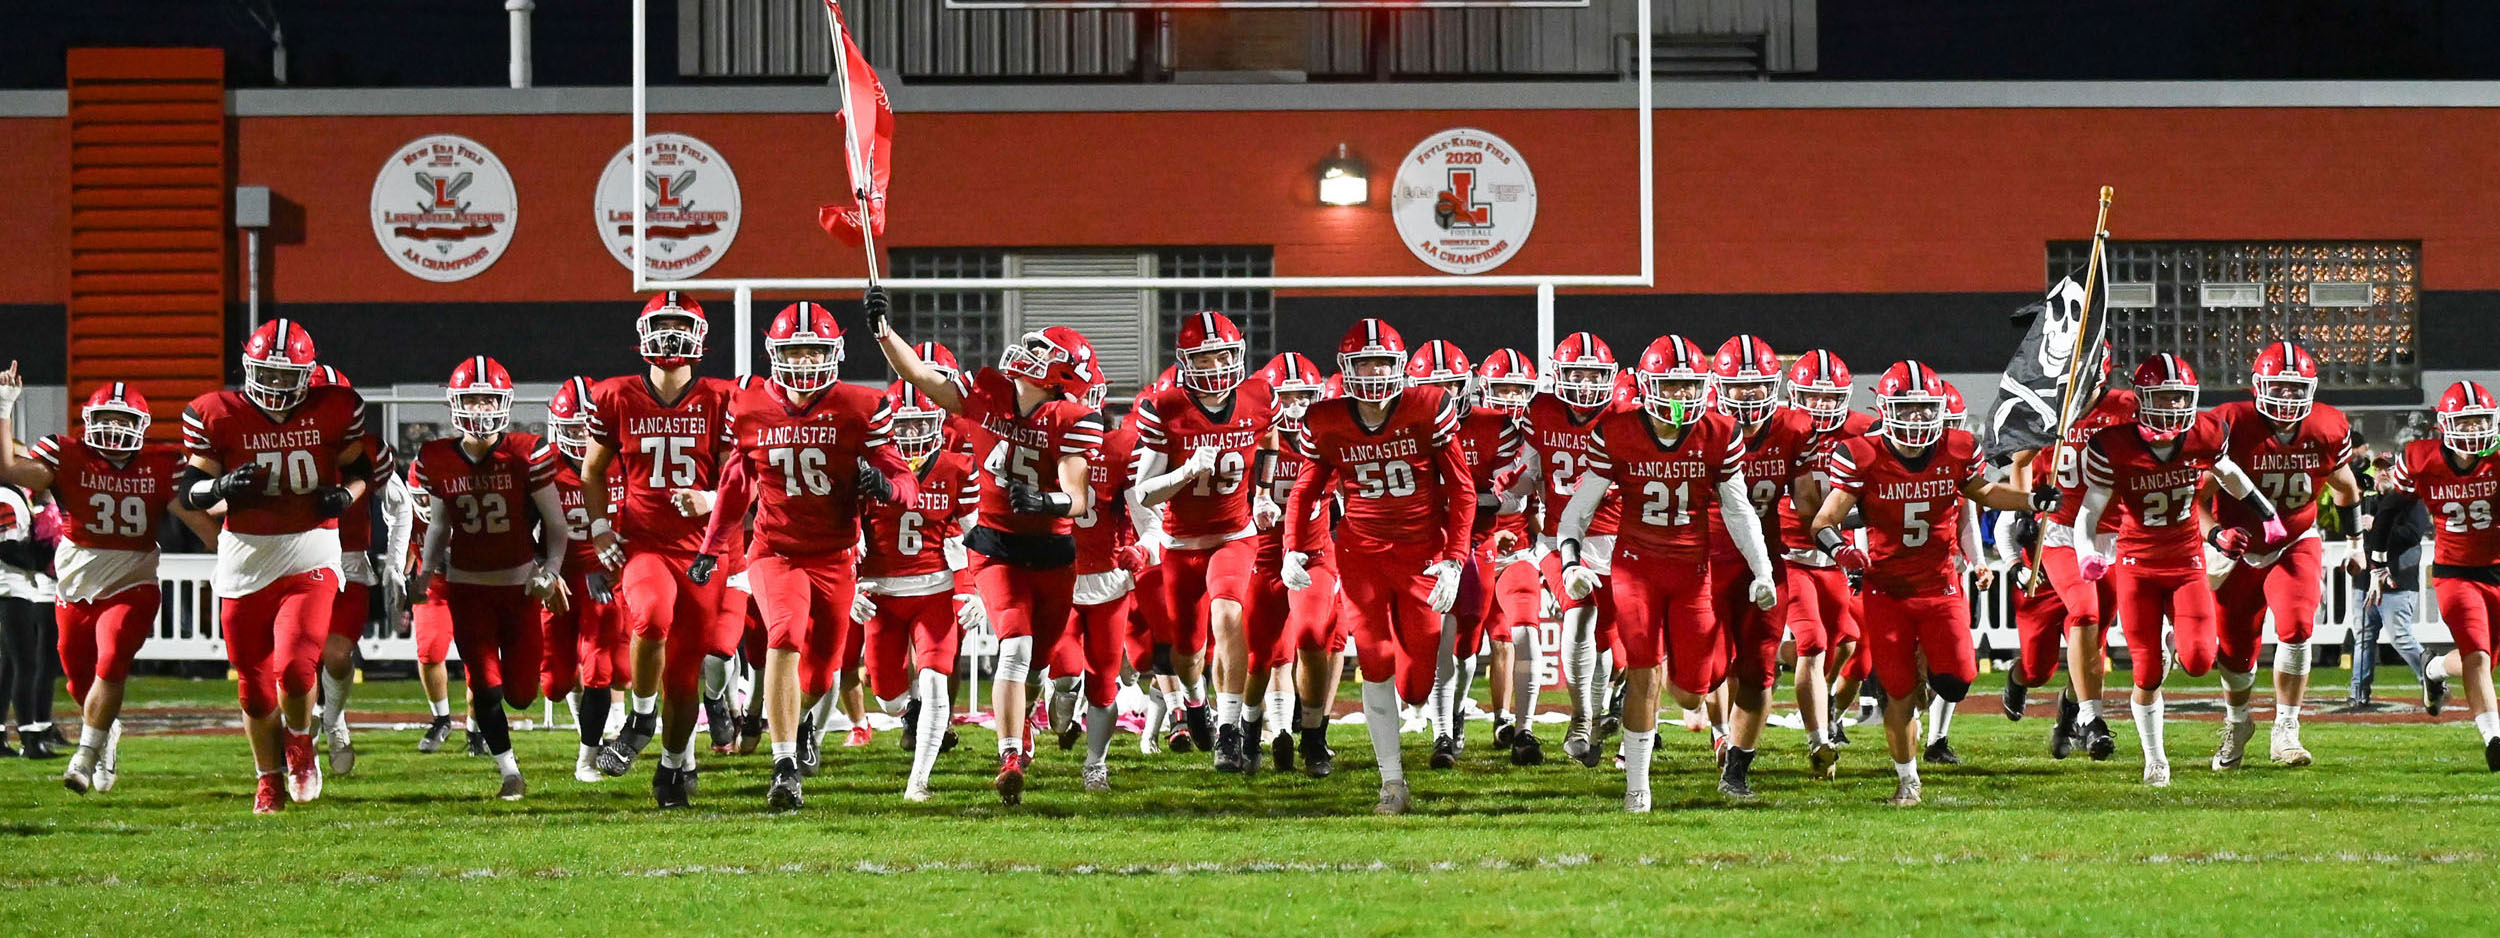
(2056,329)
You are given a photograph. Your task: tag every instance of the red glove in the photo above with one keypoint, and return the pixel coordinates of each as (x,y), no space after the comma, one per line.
(1131,558)
(1852,558)
(2231,542)
(1504,479)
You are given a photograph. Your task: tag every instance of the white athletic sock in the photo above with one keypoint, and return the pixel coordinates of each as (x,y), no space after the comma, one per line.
(1523,668)
(441,708)
(2489,723)
(1442,706)
(1906,770)
(507,763)
(671,760)
(1817,736)
(588,752)
(2148,728)
(1580,666)
(93,736)
(333,699)
(935,703)
(1174,701)
(1380,719)
(2436,670)
(1639,746)
(2087,711)
(1157,710)
(1010,744)
(716,677)
(788,750)
(2238,714)
(1461,685)
(689,751)
(1939,719)
(2286,714)
(1227,709)
(828,705)
(1099,722)
(1279,703)
(645,706)
(1194,692)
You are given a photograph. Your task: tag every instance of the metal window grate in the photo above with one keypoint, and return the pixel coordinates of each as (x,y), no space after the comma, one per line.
(2373,346)
(968,322)
(1253,310)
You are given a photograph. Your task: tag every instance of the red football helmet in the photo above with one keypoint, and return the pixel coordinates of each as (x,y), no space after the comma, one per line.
(938,357)
(1372,360)
(1169,379)
(1746,375)
(115,419)
(1335,388)
(2285,382)
(1210,354)
(1057,358)
(2165,396)
(277,365)
(919,424)
(1911,399)
(480,394)
(1584,370)
(1674,377)
(1097,392)
(1956,411)
(805,348)
(1441,363)
(568,418)
(1819,385)
(671,329)
(2469,420)
(1297,383)
(1506,380)
(328,377)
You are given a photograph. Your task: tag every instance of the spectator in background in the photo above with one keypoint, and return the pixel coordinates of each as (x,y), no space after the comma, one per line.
(2391,600)
(23,655)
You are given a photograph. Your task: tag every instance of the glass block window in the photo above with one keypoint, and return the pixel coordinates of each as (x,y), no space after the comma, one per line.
(966,321)
(1253,310)
(2219,302)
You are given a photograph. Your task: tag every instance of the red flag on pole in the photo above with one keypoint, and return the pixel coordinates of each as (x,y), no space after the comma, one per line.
(868,142)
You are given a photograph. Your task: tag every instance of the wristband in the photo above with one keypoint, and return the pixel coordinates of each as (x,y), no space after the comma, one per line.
(601,526)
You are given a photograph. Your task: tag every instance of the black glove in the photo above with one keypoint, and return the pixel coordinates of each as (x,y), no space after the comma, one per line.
(701,571)
(332,501)
(596,582)
(876,305)
(245,480)
(417,582)
(2026,530)
(2044,498)
(872,484)
(1025,499)
(1857,581)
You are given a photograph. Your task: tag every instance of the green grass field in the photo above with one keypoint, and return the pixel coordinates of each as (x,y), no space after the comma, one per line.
(2395,831)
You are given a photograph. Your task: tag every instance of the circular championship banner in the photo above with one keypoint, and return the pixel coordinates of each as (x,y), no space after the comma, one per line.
(443,208)
(690,206)
(1463,200)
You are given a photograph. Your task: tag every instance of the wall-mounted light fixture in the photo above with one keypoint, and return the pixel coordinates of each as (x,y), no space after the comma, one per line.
(1343,180)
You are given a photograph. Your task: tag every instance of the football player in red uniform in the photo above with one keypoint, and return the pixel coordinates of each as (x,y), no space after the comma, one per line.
(116,487)
(1779,458)
(1970,559)
(913,629)
(1200,449)
(1488,439)
(586,643)
(352,608)
(483,487)
(808,450)
(1506,382)
(666,432)
(279,453)
(1085,664)
(2455,478)
(1392,455)
(1314,632)
(1559,425)
(1822,608)
(1271,609)
(429,625)
(1677,461)
(2293,447)
(1909,482)
(1036,441)
(2066,607)
(2151,469)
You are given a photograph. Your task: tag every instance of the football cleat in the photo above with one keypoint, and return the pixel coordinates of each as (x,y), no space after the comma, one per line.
(1503,733)
(2016,696)
(435,733)
(2098,742)
(1581,750)
(751,733)
(1178,740)
(2283,746)
(2234,748)
(669,788)
(617,757)
(948,741)
(77,777)
(2434,695)
(1941,752)
(692,777)
(784,795)
(586,766)
(723,726)
(1719,746)
(861,734)
(1228,748)
(1281,750)
(1010,780)
(108,768)
(1033,721)
(1394,799)
(270,796)
(1526,749)
(811,748)
(1063,718)
(1444,753)
(1733,775)
(911,725)
(916,792)
(1253,755)
(1317,759)
(1201,725)
(303,770)
(2062,737)
(477,744)
(1824,760)
(513,788)
(342,752)
(1636,802)
(1097,778)
(2157,774)
(2491,754)
(1906,793)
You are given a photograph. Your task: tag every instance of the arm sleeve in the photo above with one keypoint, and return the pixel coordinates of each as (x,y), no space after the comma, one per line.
(2007,552)
(437,535)
(729,510)
(1973,556)
(1314,482)
(553,529)
(1586,495)
(398,514)
(1458,517)
(1157,480)
(1743,525)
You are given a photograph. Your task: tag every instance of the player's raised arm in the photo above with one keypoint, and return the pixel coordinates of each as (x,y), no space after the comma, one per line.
(906,363)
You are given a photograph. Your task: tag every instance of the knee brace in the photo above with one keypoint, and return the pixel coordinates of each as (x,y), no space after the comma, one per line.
(1015,658)
(894,707)
(2241,681)
(1948,687)
(2291,657)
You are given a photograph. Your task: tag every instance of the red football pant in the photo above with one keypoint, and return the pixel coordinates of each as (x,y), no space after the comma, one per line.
(910,634)
(1473,613)
(2040,628)
(266,635)
(1752,631)
(1900,628)
(1609,638)
(806,603)
(2085,600)
(1091,646)
(1515,593)
(1024,602)
(1193,578)
(578,644)
(656,593)
(2469,608)
(2145,597)
(350,610)
(1662,614)
(1264,616)
(1819,607)
(1381,592)
(2292,587)
(98,639)
(430,620)
(498,631)
(1312,624)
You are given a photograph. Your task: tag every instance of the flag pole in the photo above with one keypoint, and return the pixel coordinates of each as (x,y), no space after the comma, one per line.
(856,161)
(2074,359)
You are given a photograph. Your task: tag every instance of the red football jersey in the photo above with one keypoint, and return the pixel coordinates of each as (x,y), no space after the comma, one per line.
(1105,528)
(1671,488)
(909,540)
(2291,470)
(1488,439)
(356,526)
(301,452)
(661,448)
(2158,494)
(1172,422)
(2064,467)
(1559,436)
(1913,508)
(578,554)
(493,526)
(1403,482)
(108,506)
(2460,503)
(1782,449)
(802,463)
(1008,441)
(1289,463)
(1796,530)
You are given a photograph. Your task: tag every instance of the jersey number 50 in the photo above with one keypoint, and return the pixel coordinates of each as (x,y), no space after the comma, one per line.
(1394,478)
